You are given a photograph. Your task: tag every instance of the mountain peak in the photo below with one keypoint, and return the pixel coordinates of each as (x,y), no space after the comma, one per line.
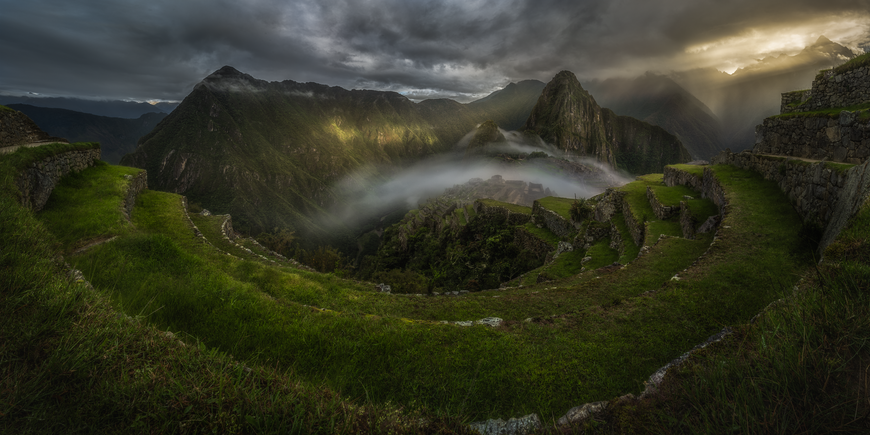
(227,71)
(823,40)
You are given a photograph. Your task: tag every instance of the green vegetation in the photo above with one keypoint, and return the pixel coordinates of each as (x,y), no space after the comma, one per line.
(543,234)
(636,197)
(801,368)
(839,168)
(24,157)
(854,63)
(562,206)
(863,109)
(6,109)
(102,188)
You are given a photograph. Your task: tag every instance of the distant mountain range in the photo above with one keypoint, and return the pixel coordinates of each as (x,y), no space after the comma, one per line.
(272,153)
(111,108)
(117,136)
(659,100)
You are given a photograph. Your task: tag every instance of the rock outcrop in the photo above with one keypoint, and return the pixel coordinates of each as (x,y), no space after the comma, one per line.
(17,129)
(567,116)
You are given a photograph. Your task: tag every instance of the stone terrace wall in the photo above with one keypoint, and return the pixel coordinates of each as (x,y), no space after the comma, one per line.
(553,221)
(687,221)
(812,188)
(852,195)
(529,242)
(608,203)
(138,183)
(635,227)
(675,177)
(707,184)
(842,139)
(661,211)
(831,90)
(38,180)
(17,129)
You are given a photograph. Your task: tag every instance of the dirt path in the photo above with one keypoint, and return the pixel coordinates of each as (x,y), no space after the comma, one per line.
(12,149)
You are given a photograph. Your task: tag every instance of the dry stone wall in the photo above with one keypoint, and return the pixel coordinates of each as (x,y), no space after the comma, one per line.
(830,90)
(138,183)
(553,221)
(36,182)
(812,188)
(529,242)
(661,211)
(635,226)
(676,177)
(687,221)
(609,203)
(842,139)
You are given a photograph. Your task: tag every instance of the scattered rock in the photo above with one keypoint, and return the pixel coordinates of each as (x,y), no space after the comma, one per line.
(577,414)
(514,426)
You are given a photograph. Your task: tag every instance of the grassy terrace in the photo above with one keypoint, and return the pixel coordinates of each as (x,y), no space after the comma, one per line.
(102,188)
(542,233)
(592,336)
(512,207)
(562,206)
(635,196)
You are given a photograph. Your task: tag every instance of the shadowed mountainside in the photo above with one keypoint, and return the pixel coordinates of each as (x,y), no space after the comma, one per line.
(117,136)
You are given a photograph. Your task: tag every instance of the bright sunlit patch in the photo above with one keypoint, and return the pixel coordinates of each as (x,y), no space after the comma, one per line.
(729,54)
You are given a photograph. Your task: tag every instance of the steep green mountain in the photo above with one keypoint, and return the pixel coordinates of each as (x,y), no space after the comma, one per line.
(567,116)
(659,100)
(271,153)
(117,136)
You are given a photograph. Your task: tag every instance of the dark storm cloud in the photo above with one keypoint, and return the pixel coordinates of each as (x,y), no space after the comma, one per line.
(462,49)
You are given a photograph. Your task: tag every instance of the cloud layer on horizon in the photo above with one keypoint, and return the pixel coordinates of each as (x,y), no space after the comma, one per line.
(460,49)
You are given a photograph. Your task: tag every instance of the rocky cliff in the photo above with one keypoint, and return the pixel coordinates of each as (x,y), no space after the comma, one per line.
(567,116)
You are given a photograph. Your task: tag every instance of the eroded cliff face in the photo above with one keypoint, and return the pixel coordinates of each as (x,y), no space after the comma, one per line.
(568,117)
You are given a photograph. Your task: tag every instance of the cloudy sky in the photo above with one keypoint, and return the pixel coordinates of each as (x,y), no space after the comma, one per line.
(462,49)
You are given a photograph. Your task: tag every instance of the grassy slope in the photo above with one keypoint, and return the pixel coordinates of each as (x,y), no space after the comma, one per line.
(801,368)
(224,302)
(102,189)
(70,363)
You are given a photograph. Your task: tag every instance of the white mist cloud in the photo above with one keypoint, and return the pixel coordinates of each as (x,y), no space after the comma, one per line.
(368,194)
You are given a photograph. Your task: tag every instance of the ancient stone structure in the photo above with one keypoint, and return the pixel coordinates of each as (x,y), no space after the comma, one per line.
(676,177)
(840,136)
(17,129)
(138,183)
(687,221)
(553,221)
(511,217)
(661,211)
(531,243)
(843,138)
(635,223)
(832,88)
(37,181)
(812,188)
